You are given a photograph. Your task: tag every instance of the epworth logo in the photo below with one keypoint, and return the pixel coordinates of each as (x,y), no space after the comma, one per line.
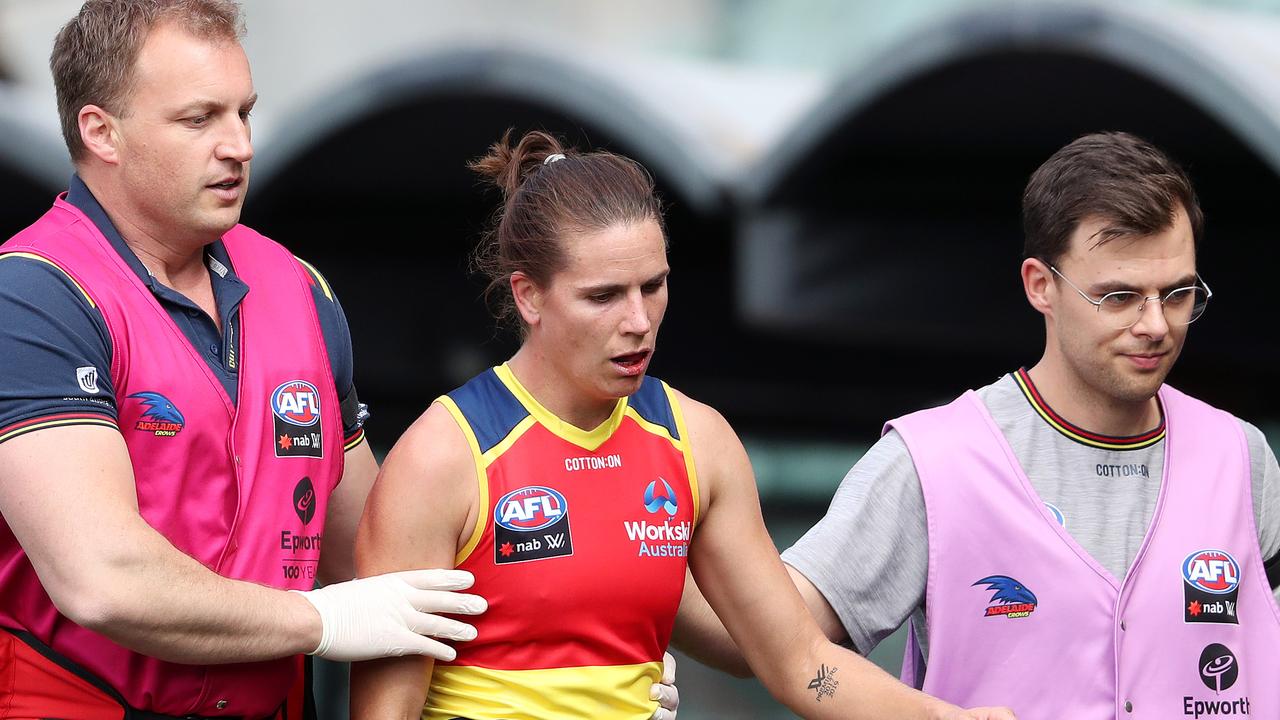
(1219,670)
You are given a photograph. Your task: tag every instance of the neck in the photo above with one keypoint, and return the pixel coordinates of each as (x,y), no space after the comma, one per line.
(1086,406)
(539,376)
(174,260)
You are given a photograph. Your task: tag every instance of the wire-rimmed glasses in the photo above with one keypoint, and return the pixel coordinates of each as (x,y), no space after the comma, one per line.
(1123,308)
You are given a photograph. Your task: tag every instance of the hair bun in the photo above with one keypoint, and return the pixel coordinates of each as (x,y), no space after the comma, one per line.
(507,166)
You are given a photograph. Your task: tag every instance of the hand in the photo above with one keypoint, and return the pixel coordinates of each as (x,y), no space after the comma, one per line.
(390,615)
(983,713)
(665,693)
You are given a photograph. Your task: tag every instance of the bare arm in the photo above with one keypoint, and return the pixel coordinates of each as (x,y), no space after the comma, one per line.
(120,577)
(337,562)
(419,513)
(701,635)
(738,569)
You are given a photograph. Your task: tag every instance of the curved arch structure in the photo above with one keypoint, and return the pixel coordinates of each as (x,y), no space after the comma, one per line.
(33,165)
(888,219)
(591,97)
(1221,63)
(371,184)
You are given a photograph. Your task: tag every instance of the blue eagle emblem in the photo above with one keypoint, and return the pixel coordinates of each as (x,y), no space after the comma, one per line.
(159,408)
(1007,590)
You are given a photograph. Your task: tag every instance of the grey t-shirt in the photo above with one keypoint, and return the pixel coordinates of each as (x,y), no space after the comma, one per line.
(1105,491)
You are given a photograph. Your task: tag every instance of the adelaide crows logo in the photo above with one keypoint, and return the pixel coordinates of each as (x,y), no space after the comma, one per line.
(161,416)
(1009,598)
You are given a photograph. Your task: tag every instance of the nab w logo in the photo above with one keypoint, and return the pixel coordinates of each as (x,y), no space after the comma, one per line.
(530,508)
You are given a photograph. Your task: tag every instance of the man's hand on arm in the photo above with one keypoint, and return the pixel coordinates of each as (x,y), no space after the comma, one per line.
(390,615)
(118,576)
(422,508)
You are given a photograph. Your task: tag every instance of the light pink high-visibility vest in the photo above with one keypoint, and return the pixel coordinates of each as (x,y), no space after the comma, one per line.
(242,488)
(1020,615)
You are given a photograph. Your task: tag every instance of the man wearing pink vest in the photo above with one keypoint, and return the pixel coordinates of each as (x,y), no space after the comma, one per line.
(1077,540)
(179,437)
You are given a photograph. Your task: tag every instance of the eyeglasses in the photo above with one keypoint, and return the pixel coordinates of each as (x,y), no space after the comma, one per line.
(1123,309)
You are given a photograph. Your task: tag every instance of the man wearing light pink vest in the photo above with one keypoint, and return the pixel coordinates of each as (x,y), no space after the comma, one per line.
(179,438)
(1077,540)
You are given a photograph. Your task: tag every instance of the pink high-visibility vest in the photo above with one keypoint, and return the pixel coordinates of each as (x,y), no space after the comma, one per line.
(242,488)
(1020,615)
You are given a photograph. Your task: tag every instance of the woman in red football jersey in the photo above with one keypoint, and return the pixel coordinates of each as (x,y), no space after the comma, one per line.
(575,487)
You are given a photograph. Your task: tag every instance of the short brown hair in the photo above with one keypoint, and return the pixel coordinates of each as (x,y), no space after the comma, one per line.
(546,197)
(1115,176)
(94,54)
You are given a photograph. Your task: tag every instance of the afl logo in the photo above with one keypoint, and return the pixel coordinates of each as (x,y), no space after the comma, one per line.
(1213,571)
(530,508)
(296,402)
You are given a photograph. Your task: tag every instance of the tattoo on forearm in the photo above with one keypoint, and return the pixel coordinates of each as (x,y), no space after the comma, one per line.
(825,683)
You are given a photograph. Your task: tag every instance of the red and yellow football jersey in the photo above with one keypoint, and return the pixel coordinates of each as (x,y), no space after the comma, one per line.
(580,549)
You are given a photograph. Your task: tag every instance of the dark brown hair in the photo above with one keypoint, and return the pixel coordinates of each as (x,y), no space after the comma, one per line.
(1115,176)
(550,191)
(94,54)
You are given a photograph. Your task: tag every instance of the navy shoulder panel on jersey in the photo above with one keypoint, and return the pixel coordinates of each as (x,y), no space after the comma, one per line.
(337,343)
(56,350)
(652,404)
(489,407)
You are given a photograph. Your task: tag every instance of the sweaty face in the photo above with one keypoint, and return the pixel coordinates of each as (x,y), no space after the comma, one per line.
(1126,365)
(183,136)
(600,314)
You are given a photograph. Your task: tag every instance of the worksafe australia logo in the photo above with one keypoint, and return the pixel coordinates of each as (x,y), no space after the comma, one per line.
(665,539)
(660,499)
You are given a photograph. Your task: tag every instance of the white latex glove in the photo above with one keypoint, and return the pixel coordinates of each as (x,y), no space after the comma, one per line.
(666,693)
(390,615)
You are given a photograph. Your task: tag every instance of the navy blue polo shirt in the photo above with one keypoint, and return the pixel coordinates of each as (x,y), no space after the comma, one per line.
(49,334)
